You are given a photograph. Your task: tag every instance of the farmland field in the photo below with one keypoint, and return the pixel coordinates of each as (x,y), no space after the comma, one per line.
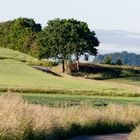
(19,76)
(130,81)
(69,100)
(64,100)
(44,94)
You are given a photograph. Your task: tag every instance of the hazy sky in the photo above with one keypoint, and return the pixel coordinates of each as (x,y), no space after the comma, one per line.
(99,14)
(114,21)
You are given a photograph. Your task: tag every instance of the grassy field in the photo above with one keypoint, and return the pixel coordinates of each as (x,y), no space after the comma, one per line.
(13,54)
(68,102)
(60,100)
(20,120)
(19,56)
(19,76)
(130,81)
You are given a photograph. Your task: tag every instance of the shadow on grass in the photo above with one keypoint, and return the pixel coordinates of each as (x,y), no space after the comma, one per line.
(47,70)
(77,130)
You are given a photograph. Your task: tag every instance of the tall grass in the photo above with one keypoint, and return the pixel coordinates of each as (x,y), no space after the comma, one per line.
(22,121)
(135,135)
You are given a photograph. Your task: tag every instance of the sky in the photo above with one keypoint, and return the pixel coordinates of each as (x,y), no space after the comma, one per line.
(101,15)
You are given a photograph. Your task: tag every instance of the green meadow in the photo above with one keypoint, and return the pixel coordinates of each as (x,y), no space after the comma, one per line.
(18,76)
(60,100)
(59,107)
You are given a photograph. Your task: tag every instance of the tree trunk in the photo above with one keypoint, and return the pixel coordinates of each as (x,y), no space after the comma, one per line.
(63,66)
(77,63)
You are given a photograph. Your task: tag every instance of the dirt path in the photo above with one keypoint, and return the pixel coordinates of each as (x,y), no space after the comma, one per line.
(103,137)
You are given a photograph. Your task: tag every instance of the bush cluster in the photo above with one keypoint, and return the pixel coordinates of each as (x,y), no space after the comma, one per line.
(103,71)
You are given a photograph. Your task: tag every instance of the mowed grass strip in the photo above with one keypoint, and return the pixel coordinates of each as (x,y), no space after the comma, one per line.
(64,100)
(59,100)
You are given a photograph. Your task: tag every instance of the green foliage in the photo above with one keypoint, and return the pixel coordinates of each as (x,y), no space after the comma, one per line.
(63,38)
(22,34)
(59,40)
(107,60)
(119,61)
(131,59)
(4,33)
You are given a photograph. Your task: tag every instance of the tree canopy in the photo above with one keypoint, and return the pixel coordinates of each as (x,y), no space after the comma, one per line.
(107,60)
(22,34)
(64,38)
(127,58)
(4,33)
(119,61)
(61,39)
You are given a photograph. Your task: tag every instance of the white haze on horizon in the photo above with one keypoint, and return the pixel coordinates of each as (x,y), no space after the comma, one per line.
(118,41)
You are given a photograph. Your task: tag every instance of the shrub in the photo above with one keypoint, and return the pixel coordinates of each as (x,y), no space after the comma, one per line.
(44,63)
(105,71)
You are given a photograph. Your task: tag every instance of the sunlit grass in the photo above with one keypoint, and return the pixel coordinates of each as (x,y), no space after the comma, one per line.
(13,54)
(18,76)
(129,80)
(135,135)
(20,120)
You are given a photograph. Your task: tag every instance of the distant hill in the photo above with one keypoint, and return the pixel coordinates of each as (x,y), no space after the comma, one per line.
(131,59)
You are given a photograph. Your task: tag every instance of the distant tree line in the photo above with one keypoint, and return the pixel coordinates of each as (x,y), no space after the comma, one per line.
(60,39)
(119,58)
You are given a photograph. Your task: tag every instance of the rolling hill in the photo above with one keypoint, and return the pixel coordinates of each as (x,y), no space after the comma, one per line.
(16,75)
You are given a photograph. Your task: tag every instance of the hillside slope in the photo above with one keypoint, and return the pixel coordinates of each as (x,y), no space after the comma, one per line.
(13,54)
(18,76)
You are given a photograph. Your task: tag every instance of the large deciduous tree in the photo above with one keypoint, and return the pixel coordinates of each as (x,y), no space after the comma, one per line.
(61,39)
(83,40)
(22,34)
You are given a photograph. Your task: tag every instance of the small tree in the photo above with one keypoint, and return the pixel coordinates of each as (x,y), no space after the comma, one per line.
(107,60)
(119,61)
